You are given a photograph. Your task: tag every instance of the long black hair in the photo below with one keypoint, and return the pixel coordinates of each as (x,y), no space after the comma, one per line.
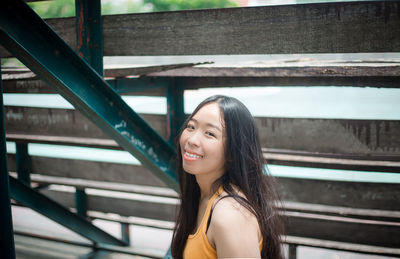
(244,169)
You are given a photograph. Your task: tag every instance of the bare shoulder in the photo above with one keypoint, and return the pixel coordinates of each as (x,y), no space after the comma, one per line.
(234,230)
(228,209)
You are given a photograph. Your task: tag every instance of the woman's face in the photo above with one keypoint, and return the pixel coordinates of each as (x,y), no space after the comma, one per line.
(203,143)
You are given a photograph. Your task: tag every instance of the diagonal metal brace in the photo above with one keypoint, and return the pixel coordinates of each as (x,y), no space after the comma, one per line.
(58,213)
(33,42)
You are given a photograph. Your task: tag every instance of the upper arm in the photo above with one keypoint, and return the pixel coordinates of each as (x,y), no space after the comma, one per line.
(234,230)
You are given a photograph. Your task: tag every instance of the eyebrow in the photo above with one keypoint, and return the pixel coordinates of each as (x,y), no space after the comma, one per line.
(208,124)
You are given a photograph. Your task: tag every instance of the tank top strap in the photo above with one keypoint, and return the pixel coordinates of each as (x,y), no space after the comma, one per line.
(208,209)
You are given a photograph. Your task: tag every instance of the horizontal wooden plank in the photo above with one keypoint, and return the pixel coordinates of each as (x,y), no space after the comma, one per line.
(62,140)
(334,136)
(342,229)
(137,221)
(144,70)
(363,195)
(271,69)
(329,70)
(64,27)
(384,251)
(204,82)
(346,27)
(145,222)
(90,170)
(193,78)
(270,29)
(110,186)
(318,160)
(28,85)
(126,205)
(37,86)
(368,214)
(63,122)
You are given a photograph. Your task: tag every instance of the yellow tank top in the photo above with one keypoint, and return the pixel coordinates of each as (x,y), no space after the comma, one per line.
(197,245)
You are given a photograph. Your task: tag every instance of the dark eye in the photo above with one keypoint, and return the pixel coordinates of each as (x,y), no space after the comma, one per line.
(190,127)
(210,134)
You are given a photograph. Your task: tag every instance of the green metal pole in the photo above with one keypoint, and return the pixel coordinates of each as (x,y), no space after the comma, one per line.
(7,248)
(175,119)
(175,111)
(89,33)
(89,40)
(125,233)
(81,202)
(23,163)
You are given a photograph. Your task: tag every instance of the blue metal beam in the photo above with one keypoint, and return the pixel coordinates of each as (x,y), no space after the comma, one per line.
(24,164)
(175,111)
(81,202)
(126,85)
(125,232)
(58,213)
(6,227)
(89,33)
(33,42)
(89,41)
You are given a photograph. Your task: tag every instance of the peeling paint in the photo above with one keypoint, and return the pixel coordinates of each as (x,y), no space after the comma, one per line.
(120,125)
(136,142)
(169,118)
(125,133)
(80,29)
(11,115)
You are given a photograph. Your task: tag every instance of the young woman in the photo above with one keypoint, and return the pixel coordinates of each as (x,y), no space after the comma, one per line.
(227,202)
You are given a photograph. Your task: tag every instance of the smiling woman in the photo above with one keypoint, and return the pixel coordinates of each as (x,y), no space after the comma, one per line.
(227,202)
(202,146)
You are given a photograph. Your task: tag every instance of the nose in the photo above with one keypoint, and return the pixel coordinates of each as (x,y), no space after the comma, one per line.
(194,139)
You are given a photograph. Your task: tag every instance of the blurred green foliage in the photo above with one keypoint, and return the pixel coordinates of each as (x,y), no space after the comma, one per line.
(66,8)
(51,9)
(172,5)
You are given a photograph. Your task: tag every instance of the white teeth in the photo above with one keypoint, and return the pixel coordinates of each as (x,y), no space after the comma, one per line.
(192,155)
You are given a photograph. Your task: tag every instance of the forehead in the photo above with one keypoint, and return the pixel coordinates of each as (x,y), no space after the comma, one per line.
(209,113)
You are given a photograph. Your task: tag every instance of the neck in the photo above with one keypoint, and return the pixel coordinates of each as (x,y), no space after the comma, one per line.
(205,183)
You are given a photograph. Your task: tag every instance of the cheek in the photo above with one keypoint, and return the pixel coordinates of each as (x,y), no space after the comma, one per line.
(222,157)
(218,153)
(222,154)
(182,139)
(181,143)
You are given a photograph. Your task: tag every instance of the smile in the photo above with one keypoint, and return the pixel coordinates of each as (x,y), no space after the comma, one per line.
(190,156)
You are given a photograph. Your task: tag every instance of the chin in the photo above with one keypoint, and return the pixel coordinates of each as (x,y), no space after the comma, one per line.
(191,170)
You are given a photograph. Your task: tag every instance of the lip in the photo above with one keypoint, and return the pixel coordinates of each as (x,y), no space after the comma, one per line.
(188,158)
